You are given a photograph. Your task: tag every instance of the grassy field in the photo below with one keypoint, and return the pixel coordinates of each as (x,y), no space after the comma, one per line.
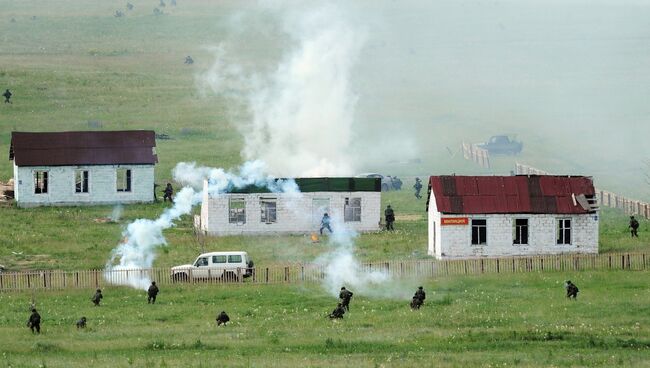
(72,65)
(517,320)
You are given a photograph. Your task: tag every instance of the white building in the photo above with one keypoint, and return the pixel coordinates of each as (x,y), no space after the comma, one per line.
(74,168)
(351,202)
(492,216)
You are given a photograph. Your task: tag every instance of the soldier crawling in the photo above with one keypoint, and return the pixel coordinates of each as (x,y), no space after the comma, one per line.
(418,298)
(97,298)
(338,312)
(152,292)
(222,318)
(34,322)
(345,296)
(571,290)
(81,323)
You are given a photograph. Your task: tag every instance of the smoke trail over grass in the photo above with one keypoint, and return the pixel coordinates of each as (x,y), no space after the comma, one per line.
(142,237)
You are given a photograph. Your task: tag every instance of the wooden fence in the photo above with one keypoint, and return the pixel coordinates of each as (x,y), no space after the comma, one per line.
(604,197)
(309,273)
(479,155)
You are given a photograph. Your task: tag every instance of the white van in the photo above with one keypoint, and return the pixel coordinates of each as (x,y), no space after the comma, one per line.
(227,266)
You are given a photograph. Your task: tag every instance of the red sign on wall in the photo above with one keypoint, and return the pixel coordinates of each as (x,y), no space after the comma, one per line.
(454,221)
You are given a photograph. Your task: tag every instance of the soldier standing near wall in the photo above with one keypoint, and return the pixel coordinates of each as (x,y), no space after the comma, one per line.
(389,214)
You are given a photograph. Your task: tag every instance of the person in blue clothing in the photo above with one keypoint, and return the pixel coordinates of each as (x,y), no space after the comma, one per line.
(325,223)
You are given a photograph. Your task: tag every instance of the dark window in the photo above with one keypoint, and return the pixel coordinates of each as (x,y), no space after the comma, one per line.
(203,261)
(123,181)
(564,231)
(352,210)
(268,208)
(40,182)
(521,231)
(81,181)
(479,232)
(234,259)
(218,259)
(237,211)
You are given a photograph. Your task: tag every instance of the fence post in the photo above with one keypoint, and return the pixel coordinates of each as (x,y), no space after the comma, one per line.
(286,274)
(302,273)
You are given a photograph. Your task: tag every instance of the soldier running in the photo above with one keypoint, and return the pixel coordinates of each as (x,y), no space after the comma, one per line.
(345,296)
(418,187)
(418,298)
(7,95)
(634,227)
(97,298)
(34,322)
(152,292)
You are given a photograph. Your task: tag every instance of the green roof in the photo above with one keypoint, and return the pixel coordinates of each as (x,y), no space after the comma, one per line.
(307,185)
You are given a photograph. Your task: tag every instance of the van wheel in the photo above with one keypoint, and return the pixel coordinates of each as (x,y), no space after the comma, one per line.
(230,277)
(179,277)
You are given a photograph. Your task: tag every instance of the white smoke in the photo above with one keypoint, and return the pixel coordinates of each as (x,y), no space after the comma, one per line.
(301,115)
(116,214)
(341,265)
(130,261)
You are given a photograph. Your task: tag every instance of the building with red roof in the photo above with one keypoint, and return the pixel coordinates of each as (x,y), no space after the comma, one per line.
(72,168)
(491,216)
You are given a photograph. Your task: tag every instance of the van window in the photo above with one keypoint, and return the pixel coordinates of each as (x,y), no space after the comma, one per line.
(234,259)
(203,261)
(218,259)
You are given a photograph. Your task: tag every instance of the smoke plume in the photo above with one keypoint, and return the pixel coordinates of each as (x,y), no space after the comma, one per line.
(301,114)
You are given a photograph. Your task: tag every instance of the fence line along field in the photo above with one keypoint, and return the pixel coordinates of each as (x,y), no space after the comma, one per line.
(311,273)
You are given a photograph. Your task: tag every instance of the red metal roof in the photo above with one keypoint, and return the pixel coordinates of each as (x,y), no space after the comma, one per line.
(83,148)
(510,194)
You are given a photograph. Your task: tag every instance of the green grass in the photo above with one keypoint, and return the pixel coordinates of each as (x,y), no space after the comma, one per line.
(69,238)
(515,320)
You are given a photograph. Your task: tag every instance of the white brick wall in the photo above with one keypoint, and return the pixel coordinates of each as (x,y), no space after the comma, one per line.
(295,214)
(101,185)
(454,241)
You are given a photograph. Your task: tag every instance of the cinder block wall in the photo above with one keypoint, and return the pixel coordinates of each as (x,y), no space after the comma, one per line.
(295,213)
(101,185)
(454,241)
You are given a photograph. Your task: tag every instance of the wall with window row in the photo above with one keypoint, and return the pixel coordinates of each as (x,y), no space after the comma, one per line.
(295,213)
(455,241)
(101,185)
